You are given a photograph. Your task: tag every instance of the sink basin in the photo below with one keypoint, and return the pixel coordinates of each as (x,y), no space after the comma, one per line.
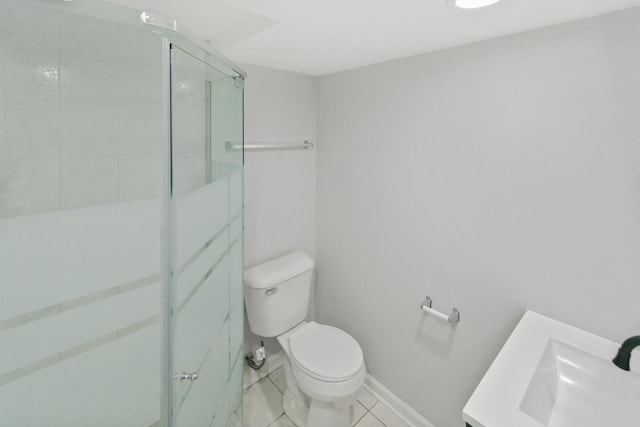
(573,388)
(550,374)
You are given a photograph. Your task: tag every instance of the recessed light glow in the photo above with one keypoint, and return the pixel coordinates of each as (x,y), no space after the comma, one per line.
(472,4)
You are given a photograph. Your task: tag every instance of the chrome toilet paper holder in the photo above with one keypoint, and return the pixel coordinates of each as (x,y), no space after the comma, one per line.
(426,306)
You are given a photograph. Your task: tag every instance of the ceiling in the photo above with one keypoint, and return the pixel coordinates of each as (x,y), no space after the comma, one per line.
(324,36)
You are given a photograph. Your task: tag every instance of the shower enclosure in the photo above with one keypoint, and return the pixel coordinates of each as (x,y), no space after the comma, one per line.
(120,221)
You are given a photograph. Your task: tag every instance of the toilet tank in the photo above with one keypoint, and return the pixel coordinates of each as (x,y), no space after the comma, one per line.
(276,293)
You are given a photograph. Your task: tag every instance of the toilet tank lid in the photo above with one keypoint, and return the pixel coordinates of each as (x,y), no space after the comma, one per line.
(276,271)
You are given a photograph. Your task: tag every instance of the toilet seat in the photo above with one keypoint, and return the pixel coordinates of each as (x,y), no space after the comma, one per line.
(326,353)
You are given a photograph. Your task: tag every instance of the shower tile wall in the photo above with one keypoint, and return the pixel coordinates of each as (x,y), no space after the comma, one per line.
(188,82)
(81,118)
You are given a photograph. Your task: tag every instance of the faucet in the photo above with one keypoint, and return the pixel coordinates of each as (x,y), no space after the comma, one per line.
(624,353)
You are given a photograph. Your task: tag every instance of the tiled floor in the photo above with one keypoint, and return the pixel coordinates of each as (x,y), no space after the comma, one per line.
(263,404)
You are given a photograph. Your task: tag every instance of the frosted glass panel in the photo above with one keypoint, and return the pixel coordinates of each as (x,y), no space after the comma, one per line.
(80,217)
(84,192)
(207,251)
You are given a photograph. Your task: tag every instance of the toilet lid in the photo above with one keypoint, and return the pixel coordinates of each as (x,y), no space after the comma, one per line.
(326,353)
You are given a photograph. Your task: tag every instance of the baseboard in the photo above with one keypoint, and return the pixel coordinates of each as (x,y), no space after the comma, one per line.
(401,409)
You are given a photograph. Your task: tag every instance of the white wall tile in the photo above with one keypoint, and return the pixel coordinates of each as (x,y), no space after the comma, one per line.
(188,79)
(2,73)
(28,186)
(139,177)
(236,198)
(188,172)
(227,121)
(2,126)
(32,129)
(139,64)
(89,127)
(88,57)
(188,128)
(31,54)
(141,128)
(21,18)
(88,181)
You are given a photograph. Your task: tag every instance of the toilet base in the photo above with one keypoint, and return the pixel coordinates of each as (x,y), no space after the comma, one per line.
(296,410)
(322,414)
(317,414)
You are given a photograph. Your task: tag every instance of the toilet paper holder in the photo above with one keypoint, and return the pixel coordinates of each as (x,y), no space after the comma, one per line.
(454,317)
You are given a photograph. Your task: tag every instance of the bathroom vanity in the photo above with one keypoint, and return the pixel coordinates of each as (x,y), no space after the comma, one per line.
(554,375)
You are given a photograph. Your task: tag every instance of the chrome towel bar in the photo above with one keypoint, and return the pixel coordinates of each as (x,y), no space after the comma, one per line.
(260,147)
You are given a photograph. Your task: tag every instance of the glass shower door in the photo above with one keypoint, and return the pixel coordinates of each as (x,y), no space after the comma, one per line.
(207,203)
(80,216)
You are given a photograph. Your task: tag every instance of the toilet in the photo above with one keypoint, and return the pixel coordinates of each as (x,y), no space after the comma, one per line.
(324,366)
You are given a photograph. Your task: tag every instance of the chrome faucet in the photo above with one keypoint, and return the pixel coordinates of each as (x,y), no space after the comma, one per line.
(623,357)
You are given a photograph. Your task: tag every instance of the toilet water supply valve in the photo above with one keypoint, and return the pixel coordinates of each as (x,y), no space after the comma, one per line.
(256,359)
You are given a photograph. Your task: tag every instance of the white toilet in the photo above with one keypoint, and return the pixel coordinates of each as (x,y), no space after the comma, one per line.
(324,366)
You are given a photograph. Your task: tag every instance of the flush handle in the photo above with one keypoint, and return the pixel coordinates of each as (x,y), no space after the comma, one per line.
(271,291)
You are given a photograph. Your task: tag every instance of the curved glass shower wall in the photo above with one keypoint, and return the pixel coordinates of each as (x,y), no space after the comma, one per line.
(120,222)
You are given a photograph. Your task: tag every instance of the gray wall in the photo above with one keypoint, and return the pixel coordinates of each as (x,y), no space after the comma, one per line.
(496,177)
(279,185)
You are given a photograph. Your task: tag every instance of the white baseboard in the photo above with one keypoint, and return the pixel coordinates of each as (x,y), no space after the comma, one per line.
(401,409)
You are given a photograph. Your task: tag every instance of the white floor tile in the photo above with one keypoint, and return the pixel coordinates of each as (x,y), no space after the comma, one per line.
(357,412)
(263,401)
(250,376)
(369,421)
(387,416)
(262,404)
(366,398)
(234,421)
(283,421)
(278,379)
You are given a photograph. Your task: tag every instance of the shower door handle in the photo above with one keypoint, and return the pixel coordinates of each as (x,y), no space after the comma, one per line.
(185,376)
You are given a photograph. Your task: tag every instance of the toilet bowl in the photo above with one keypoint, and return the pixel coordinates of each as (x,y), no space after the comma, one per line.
(324,369)
(324,366)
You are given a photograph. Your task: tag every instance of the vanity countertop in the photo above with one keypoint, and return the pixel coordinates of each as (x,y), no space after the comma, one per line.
(498,399)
